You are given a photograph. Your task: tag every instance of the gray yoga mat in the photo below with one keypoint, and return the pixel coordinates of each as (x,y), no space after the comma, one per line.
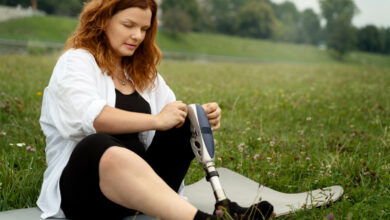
(238,188)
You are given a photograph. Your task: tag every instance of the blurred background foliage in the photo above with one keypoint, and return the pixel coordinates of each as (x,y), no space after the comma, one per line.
(261,19)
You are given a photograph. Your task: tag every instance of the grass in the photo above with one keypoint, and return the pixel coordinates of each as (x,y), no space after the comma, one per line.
(290,126)
(230,46)
(38,28)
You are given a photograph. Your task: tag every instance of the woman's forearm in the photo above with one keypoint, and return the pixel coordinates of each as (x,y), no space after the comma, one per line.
(116,121)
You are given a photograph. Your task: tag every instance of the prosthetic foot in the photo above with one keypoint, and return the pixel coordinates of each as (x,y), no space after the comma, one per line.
(202,143)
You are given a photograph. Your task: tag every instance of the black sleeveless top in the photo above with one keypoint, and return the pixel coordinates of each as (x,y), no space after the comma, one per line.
(134,103)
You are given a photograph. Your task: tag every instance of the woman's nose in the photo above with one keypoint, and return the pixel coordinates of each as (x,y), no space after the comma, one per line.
(137,34)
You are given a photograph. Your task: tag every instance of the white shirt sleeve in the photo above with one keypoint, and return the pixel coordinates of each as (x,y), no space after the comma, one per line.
(165,93)
(74,100)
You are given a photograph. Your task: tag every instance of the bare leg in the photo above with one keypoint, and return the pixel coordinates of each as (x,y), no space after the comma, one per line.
(126,179)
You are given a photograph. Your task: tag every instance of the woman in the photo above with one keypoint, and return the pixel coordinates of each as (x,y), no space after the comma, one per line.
(117,141)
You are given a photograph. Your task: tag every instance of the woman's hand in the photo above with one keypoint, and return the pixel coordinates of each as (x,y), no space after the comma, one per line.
(213,112)
(172,115)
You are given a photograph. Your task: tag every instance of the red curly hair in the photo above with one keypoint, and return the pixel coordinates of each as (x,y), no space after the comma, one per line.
(90,35)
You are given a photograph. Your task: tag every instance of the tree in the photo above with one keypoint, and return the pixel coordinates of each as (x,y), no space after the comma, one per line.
(340,34)
(288,15)
(256,19)
(66,8)
(34,5)
(387,40)
(225,15)
(286,11)
(206,19)
(370,39)
(175,20)
(309,27)
(23,3)
(188,7)
(341,37)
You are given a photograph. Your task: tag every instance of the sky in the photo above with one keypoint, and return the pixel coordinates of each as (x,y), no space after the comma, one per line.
(374,12)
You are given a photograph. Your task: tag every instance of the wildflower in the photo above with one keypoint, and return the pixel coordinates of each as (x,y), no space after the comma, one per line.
(39,93)
(307,158)
(308,119)
(330,216)
(272,143)
(239,165)
(219,212)
(240,147)
(259,138)
(20,144)
(3,133)
(256,156)
(321,135)
(11,144)
(29,148)
(301,132)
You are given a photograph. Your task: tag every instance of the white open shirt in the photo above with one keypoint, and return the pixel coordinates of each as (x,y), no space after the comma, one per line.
(75,96)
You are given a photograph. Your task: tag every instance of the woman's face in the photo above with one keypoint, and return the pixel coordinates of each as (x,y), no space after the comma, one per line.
(127,29)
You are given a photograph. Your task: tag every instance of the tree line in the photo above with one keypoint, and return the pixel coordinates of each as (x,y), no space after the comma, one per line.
(256,19)
(280,22)
(54,7)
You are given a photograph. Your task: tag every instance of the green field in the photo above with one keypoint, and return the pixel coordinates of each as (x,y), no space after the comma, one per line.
(38,28)
(312,126)
(312,121)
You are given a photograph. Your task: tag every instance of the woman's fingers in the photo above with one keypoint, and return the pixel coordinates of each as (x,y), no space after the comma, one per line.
(182,107)
(182,113)
(182,119)
(172,115)
(213,112)
(178,113)
(215,121)
(216,127)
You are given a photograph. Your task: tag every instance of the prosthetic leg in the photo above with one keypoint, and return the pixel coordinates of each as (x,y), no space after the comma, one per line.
(202,143)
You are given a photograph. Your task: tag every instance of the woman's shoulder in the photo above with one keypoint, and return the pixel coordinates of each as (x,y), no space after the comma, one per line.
(75,62)
(160,85)
(159,82)
(77,59)
(78,53)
